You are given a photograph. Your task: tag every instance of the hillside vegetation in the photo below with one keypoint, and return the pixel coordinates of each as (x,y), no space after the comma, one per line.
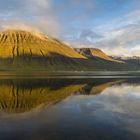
(30,51)
(96,53)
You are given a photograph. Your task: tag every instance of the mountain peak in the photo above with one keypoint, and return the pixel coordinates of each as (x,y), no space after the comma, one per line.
(22,33)
(95,52)
(19,42)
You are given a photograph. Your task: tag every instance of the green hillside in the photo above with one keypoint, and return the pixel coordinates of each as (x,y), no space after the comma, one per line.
(30,51)
(22,50)
(96,53)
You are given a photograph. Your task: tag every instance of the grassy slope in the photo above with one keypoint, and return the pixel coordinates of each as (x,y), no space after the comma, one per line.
(110,66)
(21,51)
(96,53)
(55,64)
(15,43)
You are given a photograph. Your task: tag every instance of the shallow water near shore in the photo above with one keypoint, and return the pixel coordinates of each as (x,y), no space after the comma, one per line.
(61,108)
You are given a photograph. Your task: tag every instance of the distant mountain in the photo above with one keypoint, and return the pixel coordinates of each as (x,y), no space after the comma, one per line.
(130,60)
(30,51)
(96,53)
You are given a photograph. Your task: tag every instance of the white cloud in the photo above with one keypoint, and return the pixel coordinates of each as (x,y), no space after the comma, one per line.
(121,41)
(34,15)
(119,36)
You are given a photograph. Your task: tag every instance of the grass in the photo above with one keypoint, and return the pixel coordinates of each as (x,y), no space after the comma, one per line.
(26,51)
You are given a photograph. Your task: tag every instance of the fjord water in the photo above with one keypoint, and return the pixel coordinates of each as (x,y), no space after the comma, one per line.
(70,109)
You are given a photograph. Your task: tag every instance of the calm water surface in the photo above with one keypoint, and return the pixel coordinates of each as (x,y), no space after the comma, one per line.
(70,109)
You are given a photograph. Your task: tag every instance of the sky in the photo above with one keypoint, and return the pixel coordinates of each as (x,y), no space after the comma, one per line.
(110,25)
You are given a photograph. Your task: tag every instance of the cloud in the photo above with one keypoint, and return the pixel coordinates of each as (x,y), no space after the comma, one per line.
(117,37)
(136,50)
(84,37)
(89,35)
(121,41)
(83,23)
(29,15)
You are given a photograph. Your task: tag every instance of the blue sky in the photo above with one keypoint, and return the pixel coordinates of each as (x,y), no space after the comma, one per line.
(111,25)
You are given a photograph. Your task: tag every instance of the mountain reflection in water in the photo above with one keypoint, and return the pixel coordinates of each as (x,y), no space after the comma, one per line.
(54,109)
(18,96)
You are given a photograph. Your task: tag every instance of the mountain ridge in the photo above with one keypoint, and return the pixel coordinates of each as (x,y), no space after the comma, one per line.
(96,53)
(19,42)
(22,50)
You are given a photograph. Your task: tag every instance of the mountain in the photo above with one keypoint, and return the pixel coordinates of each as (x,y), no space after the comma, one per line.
(99,61)
(31,51)
(19,48)
(131,60)
(17,43)
(96,53)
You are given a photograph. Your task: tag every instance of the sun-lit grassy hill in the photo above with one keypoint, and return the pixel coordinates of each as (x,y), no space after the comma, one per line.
(94,52)
(22,49)
(31,51)
(19,43)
